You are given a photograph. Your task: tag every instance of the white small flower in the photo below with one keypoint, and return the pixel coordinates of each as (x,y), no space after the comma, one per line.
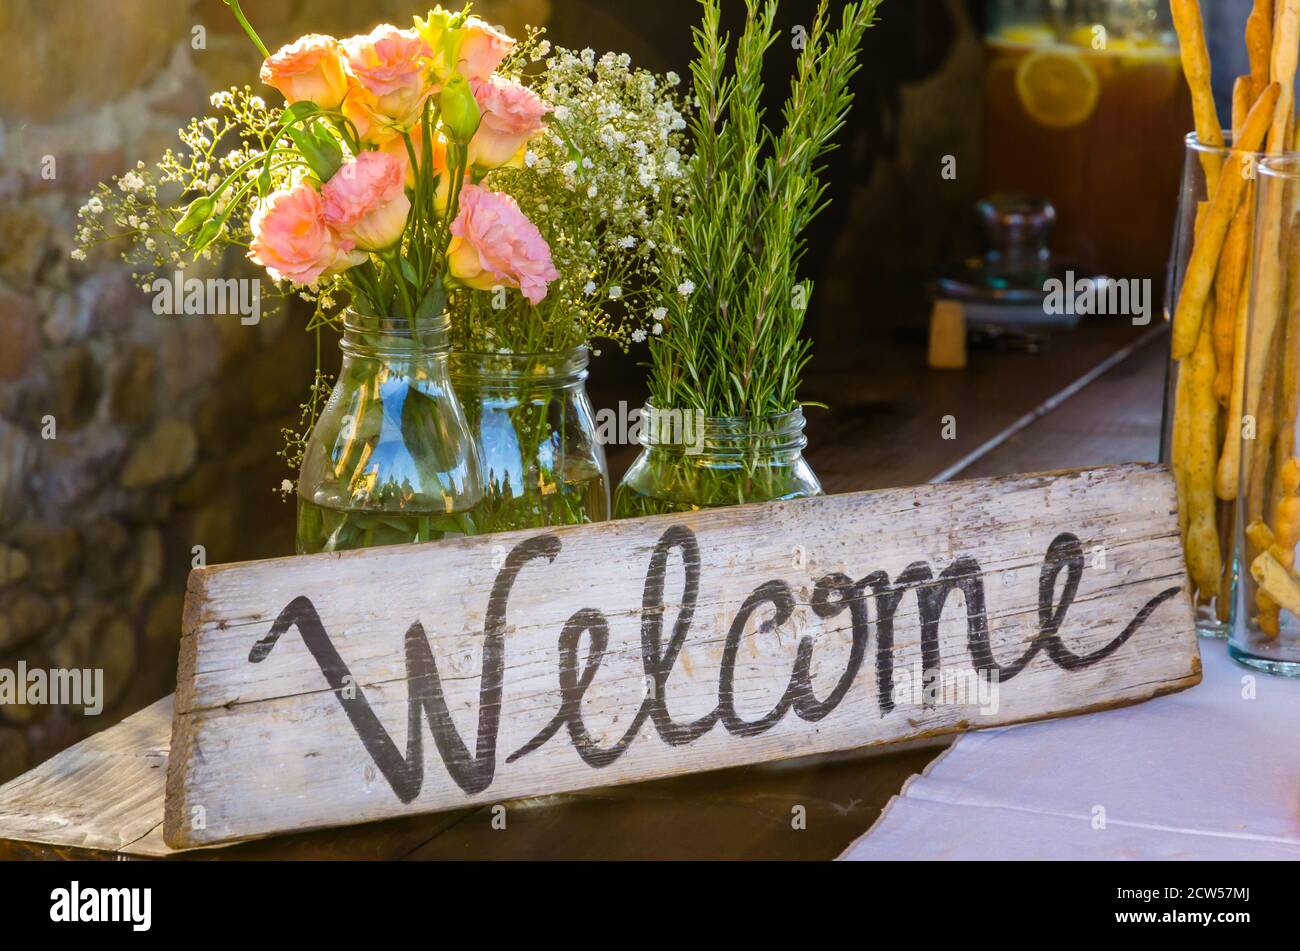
(257,102)
(638,336)
(78,254)
(589,288)
(562,113)
(673,79)
(530,158)
(657,329)
(659,313)
(615,292)
(95,206)
(286,486)
(592,190)
(686,288)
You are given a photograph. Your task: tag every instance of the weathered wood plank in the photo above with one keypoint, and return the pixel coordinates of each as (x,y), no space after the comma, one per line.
(102,795)
(307,725)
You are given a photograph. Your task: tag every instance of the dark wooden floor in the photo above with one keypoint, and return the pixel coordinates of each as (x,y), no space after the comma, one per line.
(1091,397)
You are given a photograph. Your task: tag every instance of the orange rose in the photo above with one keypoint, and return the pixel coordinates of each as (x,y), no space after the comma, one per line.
(308,70)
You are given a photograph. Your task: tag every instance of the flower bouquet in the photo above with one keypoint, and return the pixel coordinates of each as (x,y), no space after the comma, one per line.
(365,194)
(724,424)
(427,189)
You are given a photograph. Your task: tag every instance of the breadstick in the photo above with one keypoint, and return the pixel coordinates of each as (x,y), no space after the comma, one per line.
(1261,538)
(1243,95)
(1260,535)
(1227,291)
(1226,482)
(1204,557)
(1227,545)
(1214,230)
(1179,445)
(1180,442)
(1289,367)
(1259,44)
(1196,67)
(1278,583)
(1286,53)
(1256,469)
(1285,534)
(1286,515)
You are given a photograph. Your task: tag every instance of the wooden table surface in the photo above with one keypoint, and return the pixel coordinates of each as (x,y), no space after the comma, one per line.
(1091,397)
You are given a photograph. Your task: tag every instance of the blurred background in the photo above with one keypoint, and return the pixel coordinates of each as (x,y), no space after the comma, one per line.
(168,428)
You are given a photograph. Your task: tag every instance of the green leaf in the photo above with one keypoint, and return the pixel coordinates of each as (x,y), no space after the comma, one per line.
(434,303)
(322,158)
(408,272)
(298,111)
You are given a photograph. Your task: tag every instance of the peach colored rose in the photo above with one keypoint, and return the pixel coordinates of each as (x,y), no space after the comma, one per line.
(494,244)
(365,202)
(293,242)
(482,48)
(308,70)
(390,86)
(512,115)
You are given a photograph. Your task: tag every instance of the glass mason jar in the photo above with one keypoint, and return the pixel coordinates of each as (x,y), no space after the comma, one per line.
(1195,439)
(1266,617)
(690,462)
(535,431)
(391,459)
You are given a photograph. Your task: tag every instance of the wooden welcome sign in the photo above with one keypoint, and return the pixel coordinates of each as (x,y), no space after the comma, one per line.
(337,689)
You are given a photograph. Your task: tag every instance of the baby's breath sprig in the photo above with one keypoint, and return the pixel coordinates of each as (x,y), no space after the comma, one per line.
(601,183)
(731,303)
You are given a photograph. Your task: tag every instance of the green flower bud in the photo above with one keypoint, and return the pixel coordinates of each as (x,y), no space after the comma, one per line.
(210,231)
(460,115)
(199,211)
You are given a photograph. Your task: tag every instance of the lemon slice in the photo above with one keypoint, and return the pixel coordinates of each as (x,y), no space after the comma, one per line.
(1026,34)
(1057,88)
(1083,37)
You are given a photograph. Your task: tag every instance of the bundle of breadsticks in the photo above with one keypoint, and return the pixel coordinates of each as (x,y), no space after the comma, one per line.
(1222,401)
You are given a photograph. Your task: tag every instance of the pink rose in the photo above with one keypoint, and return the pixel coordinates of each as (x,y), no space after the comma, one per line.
(308,70)
(365,202)
(482,48)
(512,114)
(390,86)
(293,242)
(494,245)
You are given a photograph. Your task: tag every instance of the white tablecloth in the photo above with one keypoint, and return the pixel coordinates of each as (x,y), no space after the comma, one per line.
(1203,774)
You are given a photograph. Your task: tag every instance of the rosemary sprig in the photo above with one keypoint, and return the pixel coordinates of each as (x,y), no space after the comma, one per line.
(731,343)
